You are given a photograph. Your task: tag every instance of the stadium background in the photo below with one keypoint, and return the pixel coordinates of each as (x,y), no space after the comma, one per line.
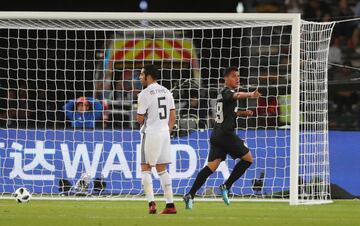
(344,83)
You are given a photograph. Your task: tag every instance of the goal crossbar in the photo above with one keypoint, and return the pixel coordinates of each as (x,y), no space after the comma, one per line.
(13,15)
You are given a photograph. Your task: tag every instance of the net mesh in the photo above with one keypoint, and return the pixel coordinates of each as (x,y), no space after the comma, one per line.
(314,176)
(46,65)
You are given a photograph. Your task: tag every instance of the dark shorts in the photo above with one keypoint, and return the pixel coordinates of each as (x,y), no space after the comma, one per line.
(222,144)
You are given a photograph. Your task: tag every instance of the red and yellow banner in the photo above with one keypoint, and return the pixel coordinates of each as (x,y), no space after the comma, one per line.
(137,50)
(152,49)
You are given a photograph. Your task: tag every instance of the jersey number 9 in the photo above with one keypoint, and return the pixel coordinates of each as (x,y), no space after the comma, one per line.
(219,112)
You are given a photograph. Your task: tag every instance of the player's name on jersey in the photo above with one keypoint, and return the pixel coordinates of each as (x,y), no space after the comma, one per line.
(152,92)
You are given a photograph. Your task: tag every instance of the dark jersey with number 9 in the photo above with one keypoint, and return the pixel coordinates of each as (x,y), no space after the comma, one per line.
(225,120)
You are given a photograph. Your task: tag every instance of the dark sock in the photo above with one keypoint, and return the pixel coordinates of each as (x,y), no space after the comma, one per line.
(237,172)
(200,180)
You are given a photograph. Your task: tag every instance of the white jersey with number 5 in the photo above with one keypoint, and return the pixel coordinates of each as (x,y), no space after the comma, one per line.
(155,102)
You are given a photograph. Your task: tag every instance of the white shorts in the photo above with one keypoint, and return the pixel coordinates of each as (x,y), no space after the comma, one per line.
(155,148)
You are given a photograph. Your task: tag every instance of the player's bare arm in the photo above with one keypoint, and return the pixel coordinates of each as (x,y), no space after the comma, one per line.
(245,113)
(245,95)
(172,119)
(140,118)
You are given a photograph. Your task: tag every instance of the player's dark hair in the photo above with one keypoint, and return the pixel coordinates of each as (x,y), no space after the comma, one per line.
(228,71)
(151,70)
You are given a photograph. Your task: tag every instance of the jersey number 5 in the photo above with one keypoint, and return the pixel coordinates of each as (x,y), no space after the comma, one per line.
(219,112)
(162,108)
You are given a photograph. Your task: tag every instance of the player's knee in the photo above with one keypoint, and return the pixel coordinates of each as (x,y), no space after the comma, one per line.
(145,167)
(160,168)
(212,167)
(248,157)
(214,164)
(250,162)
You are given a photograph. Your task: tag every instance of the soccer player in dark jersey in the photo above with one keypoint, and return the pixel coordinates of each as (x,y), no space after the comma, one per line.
(223,140)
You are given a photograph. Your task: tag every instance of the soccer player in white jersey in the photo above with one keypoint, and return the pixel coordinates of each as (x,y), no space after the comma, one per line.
(156,115)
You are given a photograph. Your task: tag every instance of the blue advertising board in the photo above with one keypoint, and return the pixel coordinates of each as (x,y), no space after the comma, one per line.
(344,160)
(38,159)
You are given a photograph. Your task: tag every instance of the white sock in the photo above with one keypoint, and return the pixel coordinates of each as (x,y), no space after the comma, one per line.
(146,181)
(166,185)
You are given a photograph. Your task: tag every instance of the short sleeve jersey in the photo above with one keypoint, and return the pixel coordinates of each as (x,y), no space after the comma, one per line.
(155,102)
(225,111)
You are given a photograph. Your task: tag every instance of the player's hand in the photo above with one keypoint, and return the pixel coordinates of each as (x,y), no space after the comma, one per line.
(245,113)
(248,113)
(255,94)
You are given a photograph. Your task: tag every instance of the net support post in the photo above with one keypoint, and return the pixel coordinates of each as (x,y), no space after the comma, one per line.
(295,110)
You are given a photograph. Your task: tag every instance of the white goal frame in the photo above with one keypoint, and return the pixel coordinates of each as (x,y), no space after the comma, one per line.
(294,19)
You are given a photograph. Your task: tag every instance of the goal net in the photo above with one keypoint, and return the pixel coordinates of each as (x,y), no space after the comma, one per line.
(55,64)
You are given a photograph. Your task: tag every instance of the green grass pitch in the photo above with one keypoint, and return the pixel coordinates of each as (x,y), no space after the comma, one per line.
(126,213)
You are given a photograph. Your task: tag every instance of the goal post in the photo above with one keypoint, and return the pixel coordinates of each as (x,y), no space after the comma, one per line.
(295,111)
(50,59)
